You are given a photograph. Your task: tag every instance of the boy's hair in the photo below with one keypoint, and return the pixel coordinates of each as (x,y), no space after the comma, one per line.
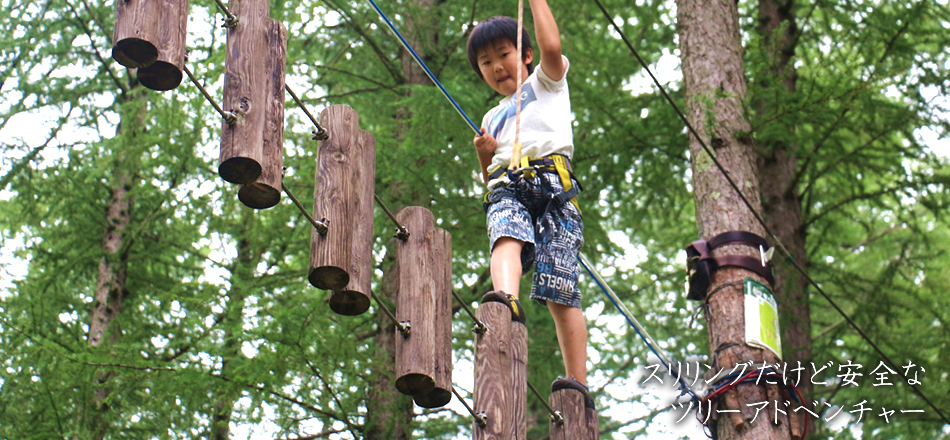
(493,29)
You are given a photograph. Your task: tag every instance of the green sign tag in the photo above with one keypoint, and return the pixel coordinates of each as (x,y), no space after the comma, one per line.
(761,317)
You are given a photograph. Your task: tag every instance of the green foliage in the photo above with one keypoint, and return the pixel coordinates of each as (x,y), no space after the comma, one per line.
(217,301)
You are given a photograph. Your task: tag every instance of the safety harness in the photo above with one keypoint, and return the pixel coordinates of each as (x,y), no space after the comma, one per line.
(555,163)
(700,264)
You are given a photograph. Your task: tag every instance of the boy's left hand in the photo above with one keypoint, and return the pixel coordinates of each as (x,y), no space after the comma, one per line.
(485,143)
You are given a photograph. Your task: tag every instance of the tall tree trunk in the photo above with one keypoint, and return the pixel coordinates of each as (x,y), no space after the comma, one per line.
(242,276)
(781,201)
(715,85)
(390,413)
(113,266)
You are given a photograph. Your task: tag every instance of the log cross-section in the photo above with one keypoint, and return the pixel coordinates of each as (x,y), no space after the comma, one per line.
(165,73)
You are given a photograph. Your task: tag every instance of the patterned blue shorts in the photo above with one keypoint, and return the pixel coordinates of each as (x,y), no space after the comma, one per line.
(552,240)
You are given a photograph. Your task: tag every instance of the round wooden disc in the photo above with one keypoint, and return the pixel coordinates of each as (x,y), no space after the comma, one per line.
(134,53)
(329,278)
(348,302)
(160,76)
(258,196)
(415,384)
(239,170)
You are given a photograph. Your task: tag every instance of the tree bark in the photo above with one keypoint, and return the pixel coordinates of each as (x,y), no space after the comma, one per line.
(241,280)
(113,266)
(781,200)
(715,85)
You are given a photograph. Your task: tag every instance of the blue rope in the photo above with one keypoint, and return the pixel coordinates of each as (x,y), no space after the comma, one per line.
(684,387)
(406,45)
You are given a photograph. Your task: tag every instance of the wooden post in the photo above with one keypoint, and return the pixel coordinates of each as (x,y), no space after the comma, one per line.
(493,386)
(245,92)
(335,199)
(415,305)
(441,277)
(165,72)
(570,403)
(265,191)
(137,32)
(593,425)
(353,299)
(519,381)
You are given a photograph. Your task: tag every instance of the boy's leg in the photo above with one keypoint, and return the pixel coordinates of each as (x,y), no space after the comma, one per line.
(572,337)
(506,265)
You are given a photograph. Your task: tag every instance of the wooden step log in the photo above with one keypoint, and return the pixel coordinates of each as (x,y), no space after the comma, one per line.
(265,192)
(493,367)
(245,92)
(137,32)
(519,381)
(165,72)
(441,393)
(343,199)
(416,302)
(577,422)
(354,298)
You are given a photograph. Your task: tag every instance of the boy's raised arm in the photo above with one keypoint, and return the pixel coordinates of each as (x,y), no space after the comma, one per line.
(548,39)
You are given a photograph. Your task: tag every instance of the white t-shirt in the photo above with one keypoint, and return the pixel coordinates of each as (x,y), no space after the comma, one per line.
(546,121)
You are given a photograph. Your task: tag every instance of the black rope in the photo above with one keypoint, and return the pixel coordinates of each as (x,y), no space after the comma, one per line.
(556,416)
(320,134)
(228,117)
(401,232)
(320,226)
(480,418)
(761,221)
(404,327)
(231,20)
(479,326)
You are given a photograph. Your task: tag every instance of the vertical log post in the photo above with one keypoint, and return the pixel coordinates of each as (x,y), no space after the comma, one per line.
(519,381)
(137,32)
(493,359)
(165,72)
(441,393)
(570,403)
(245,92)
(264,192)
(593,425)
(415,305)
(334,199)
(353,299)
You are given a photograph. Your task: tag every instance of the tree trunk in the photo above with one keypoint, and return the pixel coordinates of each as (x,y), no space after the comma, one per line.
(242,276)
(113,267)
(781,201)
(390,413)
(715,85)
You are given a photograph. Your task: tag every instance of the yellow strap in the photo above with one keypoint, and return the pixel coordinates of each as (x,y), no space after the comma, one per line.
(527,172)
(560,164)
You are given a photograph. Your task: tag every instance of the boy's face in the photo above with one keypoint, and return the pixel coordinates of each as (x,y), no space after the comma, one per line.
(499,63)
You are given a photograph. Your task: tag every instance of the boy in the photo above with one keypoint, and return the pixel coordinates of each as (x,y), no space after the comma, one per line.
(532,214)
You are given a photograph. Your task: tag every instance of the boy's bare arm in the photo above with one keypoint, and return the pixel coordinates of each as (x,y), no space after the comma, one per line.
(548,38)
(485,145)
